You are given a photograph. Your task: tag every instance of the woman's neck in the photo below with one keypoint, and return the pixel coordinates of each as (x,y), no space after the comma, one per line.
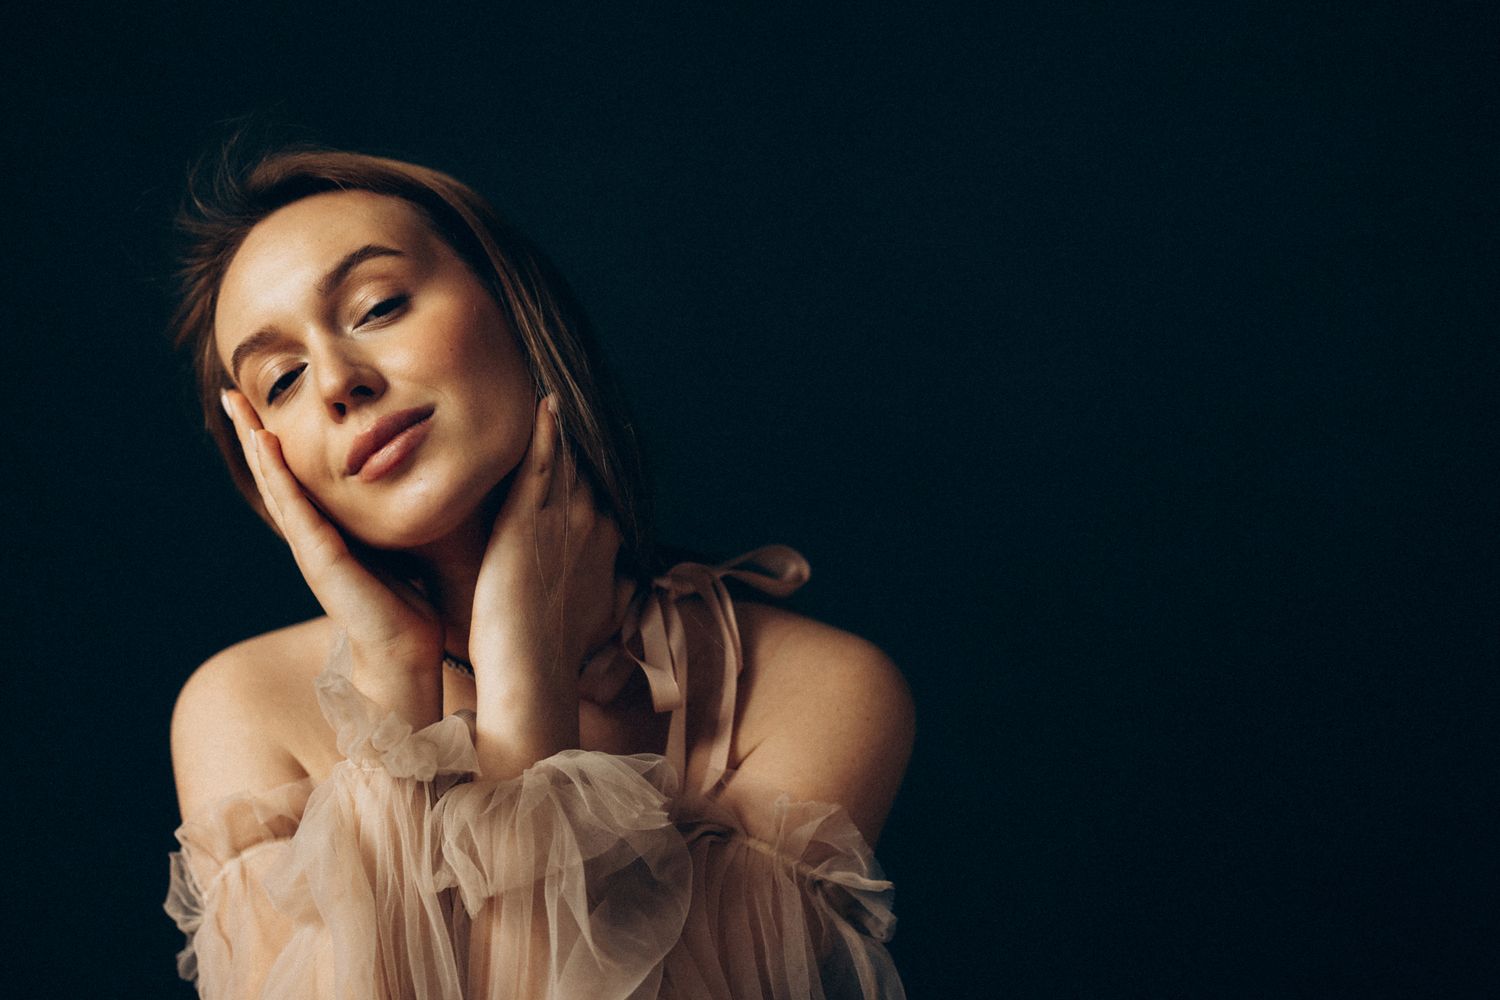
(449,569)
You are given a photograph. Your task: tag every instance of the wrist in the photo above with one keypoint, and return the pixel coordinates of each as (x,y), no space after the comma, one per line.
(399,684)
(515,731)
(516,667)
(403,659)
(527,702)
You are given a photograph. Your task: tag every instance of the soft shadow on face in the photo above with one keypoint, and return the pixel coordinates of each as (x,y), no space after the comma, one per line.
(382,364)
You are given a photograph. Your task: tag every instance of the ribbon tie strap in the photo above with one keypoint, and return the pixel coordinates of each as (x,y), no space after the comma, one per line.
(663,641)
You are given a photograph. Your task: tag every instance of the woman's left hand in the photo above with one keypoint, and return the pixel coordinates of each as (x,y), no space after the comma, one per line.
(546,594)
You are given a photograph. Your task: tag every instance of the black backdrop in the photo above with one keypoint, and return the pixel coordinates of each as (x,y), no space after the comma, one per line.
(1125,371)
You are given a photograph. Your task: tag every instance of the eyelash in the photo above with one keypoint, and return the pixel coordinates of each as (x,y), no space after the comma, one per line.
(391,305)
(283,383)
(383,309)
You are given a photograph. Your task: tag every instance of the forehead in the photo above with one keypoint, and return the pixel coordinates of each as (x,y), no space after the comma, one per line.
(279,265)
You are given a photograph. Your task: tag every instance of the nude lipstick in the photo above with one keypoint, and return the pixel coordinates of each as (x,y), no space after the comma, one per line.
(385,445)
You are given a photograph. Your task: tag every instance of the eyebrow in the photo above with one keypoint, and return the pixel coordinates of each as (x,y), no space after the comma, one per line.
(340,272)
(327,285)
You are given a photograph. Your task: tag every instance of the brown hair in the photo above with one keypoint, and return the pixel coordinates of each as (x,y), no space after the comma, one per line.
(227,199)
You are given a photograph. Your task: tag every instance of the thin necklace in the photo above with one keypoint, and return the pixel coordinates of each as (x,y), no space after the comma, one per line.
(454,663)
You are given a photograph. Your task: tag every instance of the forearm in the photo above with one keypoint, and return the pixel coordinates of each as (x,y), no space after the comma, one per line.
(521,719)
(416,695)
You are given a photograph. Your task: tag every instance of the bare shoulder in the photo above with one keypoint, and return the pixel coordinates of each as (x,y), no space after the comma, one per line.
(823,714)
(235,721)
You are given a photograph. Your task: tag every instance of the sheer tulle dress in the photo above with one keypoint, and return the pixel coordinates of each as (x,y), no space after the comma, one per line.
(405,873)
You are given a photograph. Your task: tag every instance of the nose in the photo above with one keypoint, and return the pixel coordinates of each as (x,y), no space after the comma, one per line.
(347,381)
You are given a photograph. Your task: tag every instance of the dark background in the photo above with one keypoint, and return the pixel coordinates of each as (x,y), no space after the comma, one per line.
(1126,371)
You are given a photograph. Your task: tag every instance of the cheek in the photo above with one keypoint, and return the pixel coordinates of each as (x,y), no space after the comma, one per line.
(478,347)
(306,466)
(493,371)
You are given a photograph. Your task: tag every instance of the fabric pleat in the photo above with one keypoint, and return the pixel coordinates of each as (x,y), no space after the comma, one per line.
(404,874)
(577,870)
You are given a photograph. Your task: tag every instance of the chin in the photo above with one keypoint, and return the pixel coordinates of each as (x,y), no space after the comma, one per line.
(404,538)
(411,523)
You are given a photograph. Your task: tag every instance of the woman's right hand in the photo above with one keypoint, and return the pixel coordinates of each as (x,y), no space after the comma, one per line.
(395,635)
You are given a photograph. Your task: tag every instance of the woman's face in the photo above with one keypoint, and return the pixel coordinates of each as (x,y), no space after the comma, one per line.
(384,367)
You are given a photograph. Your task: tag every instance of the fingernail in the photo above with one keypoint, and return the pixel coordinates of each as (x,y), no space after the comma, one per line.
(224,402)
(552,404)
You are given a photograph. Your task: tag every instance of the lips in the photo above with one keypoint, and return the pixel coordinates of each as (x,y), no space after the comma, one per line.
(382,433)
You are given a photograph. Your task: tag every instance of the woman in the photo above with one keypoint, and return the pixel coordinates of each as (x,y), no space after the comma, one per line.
(518,757)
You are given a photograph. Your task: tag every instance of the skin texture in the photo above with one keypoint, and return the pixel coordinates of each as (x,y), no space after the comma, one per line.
(516,563)
(407,331)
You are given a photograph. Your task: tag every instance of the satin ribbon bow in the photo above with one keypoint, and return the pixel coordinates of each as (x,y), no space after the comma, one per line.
(656,619)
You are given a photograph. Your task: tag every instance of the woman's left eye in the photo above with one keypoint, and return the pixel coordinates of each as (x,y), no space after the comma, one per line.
(283,382)
(385,307)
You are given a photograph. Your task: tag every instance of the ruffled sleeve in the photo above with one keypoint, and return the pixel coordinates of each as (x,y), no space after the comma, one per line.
(575,879)
(357,878)
(216,894)
(399,876)
(327,889)
(802,914)
(590,875)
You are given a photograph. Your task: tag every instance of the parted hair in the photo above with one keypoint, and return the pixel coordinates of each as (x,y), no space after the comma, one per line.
(229,194)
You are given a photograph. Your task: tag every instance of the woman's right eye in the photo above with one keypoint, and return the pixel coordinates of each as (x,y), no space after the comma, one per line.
(385,308)
(283,383)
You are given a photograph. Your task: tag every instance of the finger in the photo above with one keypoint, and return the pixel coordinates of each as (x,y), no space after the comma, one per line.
(258,470)
(314,540)
(541,460)
(242,415)
(564,486)
(336,577)
(347,589)
(246,422)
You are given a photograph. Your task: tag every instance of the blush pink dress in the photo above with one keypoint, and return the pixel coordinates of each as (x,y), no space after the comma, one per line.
(405,873)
